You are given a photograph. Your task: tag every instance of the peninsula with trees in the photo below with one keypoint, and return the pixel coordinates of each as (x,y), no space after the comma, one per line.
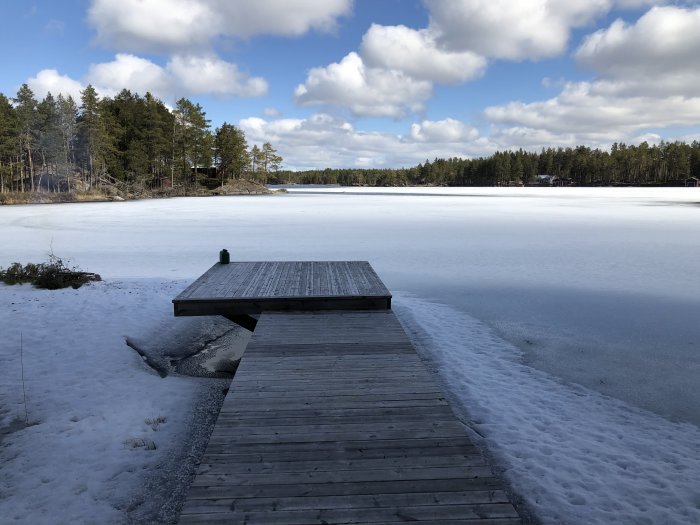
(128,146)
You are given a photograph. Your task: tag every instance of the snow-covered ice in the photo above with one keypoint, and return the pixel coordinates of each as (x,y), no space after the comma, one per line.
(563,322)
(576,455)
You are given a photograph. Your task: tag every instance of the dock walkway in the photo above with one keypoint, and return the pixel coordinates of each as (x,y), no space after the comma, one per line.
(333,418)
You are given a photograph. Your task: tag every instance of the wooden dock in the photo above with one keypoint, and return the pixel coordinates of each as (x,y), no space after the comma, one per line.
(332,418)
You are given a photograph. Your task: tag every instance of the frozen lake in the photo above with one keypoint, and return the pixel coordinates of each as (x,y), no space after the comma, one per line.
(596,286)
(563,321)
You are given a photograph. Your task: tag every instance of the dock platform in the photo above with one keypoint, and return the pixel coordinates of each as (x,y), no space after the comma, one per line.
(332,418)
(245,288)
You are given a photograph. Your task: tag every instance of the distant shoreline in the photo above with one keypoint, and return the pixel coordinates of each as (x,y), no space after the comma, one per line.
(235,188)
(250,188)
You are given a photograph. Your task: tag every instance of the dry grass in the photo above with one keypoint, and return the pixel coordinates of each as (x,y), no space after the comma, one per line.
(111,193)
(145,444)
(155,422)
(52,198)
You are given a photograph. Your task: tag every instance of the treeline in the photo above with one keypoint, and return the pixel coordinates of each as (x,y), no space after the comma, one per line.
(136,144)
(129,142)
(669,163)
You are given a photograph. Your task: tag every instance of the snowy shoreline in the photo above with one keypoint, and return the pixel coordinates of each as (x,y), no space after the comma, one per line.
(578,457)
(95,409)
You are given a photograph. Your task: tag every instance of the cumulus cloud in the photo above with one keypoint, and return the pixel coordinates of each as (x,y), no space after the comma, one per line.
(185,31)
(211,75)
(415,53)
(391,76)
(182,76)
(186,25)
(527,29)
(636,4)
(647,80)
(394,70)
(129,72)
(366,91)
(155,25)
(532,139)
(656,55)
(330,141)
(50,80)
(447,131)
(281,17)
(582,109)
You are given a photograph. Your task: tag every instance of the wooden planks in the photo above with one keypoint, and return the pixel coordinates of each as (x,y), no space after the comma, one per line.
(333,418)
(253,287)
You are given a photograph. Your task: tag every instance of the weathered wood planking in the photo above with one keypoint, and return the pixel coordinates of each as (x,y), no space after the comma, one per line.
(242,288)
(333,418)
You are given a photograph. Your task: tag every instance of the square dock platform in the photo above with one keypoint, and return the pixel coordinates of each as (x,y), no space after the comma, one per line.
(244,288)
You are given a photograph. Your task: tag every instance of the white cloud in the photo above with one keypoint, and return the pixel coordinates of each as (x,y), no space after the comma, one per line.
(657,55)
(191,25)
(324,140)
(182,76)
(272,112)
(583,110)
(648,81)
(415,53)
(211,75)
(49,80)
(129,72)
(153,25)
(366,91)
(281,17)
(392,75)
(447,131)
(533,139)
(394,71)
(526,29)
(636,4)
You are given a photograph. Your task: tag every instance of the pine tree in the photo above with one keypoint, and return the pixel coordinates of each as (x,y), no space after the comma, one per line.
(158,137)
(232,154)
(192,139)
(271,161)
(26,111)
(257,161)
(49,139)
(93,138)
(9,139)
(68,129)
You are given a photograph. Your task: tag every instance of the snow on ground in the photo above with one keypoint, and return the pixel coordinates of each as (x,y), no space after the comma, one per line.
(559,319)
(95,409)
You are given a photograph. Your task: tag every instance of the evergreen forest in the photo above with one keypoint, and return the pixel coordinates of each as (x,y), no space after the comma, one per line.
(665,164)
(134,144)
(127,144)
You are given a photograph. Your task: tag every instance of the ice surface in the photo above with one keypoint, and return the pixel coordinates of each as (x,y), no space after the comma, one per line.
(596,288)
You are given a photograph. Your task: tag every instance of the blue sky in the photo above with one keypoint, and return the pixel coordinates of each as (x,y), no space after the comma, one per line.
(380,83)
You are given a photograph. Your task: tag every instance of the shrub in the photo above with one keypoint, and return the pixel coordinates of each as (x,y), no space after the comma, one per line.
(51,275)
